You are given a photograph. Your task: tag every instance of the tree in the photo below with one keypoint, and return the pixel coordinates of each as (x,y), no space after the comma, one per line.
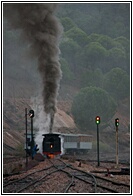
(125,44)
(78,35)
(92,78)
(93,55)
(93,37)
(67,75)
(117,83)
(67,23)
(106,41)
(69,50)
(90,102)
(112,19)
(116,57)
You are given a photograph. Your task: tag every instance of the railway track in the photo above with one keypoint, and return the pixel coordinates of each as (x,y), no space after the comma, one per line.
(23,183)
(99,184)
(77,177)
(111,186)
(57,176)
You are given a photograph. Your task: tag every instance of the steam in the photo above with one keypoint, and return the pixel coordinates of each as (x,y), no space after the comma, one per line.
(41,120)
(42,29)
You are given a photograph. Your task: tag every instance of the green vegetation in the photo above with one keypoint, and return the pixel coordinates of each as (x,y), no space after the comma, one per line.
(117,83)
(90,102)
(95,57)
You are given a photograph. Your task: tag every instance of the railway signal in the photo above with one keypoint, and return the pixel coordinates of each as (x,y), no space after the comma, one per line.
(97,120)
(31,113)
(26,137)
(117,122)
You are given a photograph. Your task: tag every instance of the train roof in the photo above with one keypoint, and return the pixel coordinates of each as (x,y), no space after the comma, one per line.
(50,134)
(72,134)
(67,134)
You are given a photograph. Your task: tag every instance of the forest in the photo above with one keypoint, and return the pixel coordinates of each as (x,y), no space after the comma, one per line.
(95,57)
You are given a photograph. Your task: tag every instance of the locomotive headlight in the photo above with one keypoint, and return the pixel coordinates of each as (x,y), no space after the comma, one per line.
(51,146)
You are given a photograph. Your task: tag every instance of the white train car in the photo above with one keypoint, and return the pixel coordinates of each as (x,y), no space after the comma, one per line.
(77,143)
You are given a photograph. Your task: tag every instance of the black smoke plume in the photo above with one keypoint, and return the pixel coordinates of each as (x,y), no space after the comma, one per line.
(43,30)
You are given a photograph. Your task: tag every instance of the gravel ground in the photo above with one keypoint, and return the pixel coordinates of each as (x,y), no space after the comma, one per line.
(58,181)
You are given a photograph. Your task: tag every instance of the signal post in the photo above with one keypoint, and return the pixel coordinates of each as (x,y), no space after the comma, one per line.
(97,119)
(117,124)
(31,115)
(26,136)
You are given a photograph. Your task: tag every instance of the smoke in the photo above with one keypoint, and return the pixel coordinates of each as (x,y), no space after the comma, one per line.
(62,147)
(42,29)
(41,120)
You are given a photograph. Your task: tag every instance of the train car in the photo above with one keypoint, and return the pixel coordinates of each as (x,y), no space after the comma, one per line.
(51,145)
(77,143)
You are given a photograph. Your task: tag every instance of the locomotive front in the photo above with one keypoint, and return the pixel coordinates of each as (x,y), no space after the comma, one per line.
(51,145)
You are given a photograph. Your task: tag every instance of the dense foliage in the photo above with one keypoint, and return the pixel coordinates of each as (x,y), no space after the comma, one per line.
(90,102)
(117,83)
(95,52)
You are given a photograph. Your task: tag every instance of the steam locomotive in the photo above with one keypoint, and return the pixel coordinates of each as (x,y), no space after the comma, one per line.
(54,143)
(51,145)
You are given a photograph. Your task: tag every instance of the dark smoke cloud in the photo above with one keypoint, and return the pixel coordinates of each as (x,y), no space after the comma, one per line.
(42,29)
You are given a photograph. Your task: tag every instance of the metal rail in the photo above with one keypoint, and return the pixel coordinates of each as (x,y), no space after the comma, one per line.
(79,174)
(93,182)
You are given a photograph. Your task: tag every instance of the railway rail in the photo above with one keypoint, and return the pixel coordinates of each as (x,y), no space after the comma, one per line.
(22,183)
(60,177)
(76,177)
(101,184)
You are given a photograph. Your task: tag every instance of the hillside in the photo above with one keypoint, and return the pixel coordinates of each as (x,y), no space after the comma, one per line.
(14,123)
(94,52)
(14,126)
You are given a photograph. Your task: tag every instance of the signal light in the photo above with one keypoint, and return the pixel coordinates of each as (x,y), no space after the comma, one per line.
(31,113)
(117,122)
(97,120)
(51,146)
